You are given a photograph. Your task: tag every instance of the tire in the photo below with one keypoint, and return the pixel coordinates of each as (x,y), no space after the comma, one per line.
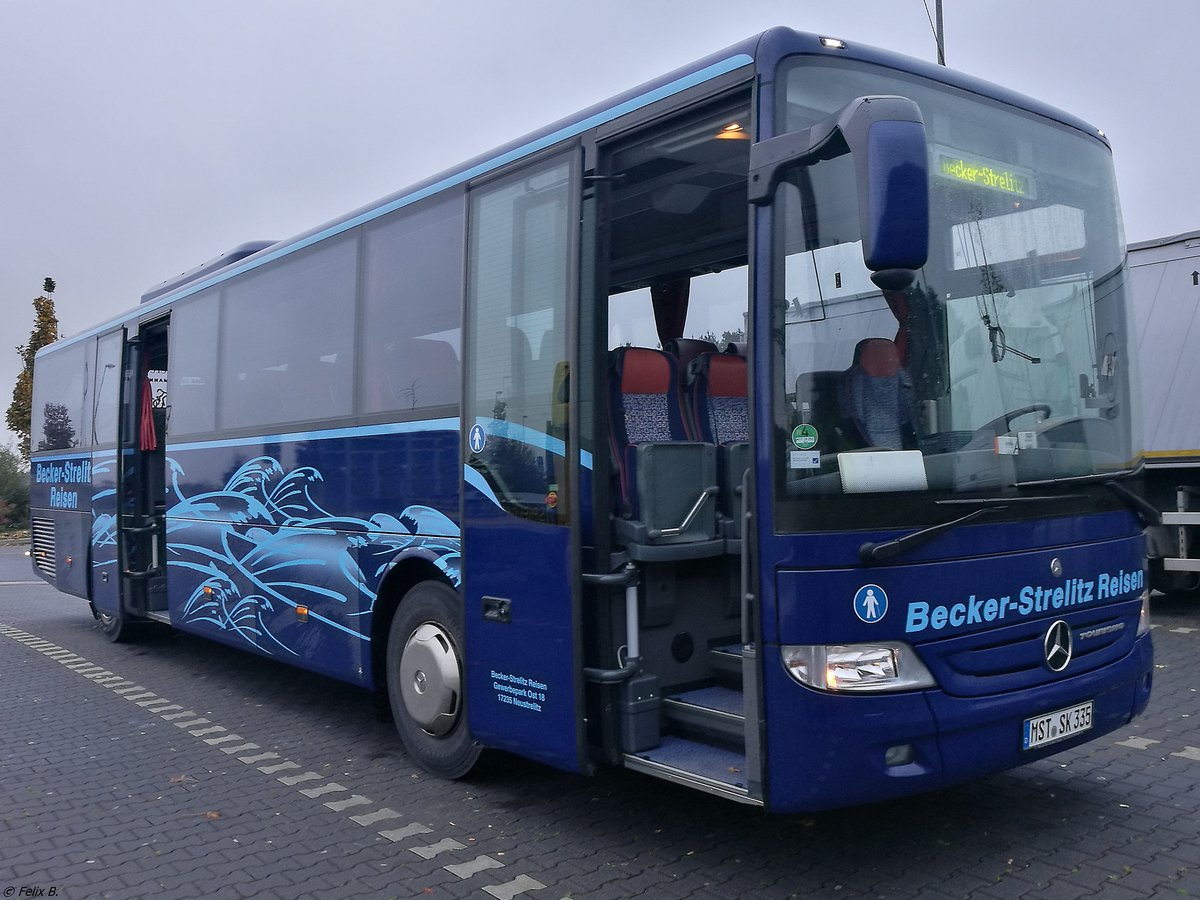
(113,626)
(426,683)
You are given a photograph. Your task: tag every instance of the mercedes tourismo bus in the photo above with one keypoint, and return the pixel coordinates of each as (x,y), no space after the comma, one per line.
(761,429)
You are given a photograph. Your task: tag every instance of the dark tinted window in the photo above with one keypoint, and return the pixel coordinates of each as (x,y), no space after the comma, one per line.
(287,339)
(412,308)
(107,392)
(193,360)
(59,397)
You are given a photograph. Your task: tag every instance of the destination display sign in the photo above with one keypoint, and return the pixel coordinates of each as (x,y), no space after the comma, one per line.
(980,171)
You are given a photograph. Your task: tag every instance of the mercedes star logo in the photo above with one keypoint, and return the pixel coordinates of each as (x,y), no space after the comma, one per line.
(1057,646)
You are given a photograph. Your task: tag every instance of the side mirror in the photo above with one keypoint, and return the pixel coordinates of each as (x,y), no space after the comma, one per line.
(886,137)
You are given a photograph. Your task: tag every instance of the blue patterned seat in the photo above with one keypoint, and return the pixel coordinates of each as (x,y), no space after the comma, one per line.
(660,472)
(721,410)
(720,406)
(875,396)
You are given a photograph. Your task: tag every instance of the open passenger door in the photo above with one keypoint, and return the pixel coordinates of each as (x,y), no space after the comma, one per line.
(140,464)
(521,543)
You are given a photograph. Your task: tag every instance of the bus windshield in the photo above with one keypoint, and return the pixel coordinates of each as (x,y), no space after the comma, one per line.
(1006,361)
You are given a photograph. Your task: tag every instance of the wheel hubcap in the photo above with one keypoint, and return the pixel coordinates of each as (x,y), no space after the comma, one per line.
(429,680)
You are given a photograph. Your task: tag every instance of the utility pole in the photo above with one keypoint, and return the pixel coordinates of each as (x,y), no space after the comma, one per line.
(940,34)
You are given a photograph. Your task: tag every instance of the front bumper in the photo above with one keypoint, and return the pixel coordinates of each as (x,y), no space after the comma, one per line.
(826,750)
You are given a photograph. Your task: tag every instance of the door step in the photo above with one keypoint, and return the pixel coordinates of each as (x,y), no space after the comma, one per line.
(711,710)
(714,770)
(726,660)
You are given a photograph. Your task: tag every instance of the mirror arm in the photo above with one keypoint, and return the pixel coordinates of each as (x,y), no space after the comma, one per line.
(842,132)
(769,158)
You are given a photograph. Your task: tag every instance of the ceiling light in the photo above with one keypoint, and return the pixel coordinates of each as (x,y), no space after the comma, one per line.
(733,132)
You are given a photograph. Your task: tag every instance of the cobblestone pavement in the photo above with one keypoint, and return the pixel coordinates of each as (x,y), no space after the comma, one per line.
(175,767)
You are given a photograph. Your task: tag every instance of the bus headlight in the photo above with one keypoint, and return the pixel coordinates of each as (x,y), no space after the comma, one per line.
(1144,618)
(882,666)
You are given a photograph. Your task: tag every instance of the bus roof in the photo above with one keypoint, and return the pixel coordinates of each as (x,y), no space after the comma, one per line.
(759,53)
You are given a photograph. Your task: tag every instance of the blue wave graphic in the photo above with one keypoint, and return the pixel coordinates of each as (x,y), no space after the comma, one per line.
(263,544)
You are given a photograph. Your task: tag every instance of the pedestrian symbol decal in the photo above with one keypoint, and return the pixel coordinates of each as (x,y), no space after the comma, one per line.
(870,603)
(477,438)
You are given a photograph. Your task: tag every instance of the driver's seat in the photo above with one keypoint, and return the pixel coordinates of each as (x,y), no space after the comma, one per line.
(875,396)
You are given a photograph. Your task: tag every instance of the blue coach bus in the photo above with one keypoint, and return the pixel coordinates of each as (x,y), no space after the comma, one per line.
(762,429)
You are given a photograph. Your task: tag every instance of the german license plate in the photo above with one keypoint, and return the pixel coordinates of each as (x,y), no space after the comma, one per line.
(1057,726)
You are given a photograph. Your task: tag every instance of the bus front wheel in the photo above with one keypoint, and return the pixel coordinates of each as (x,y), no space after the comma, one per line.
(426,685)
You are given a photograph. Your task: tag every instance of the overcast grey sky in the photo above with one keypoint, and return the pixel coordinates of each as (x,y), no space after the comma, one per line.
(139,138)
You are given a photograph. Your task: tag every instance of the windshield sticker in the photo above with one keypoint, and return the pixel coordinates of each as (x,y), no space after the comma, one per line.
(1029,601)
(804,436)
(803,459)
(1006,445)
(871,603)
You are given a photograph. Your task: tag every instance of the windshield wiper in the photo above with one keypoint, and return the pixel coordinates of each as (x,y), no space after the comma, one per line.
(1101,477)
(1147,513)
(873,552)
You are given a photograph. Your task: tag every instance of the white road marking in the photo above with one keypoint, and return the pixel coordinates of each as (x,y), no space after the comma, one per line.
(399,834)
(377,816)
(510,889)
(474,866)
(187,719)
(293,780)
(332,788)
(349,802)
(429,851)
(1137,743)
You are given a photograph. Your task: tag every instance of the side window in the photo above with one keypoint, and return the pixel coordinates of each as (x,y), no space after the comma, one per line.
(412,309)
(107,392)
(59,398)
(716,311)
(287,338)
(631,320)
(518,293)
(192,383)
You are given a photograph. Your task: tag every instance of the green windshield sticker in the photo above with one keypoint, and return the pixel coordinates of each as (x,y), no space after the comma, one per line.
(804,436)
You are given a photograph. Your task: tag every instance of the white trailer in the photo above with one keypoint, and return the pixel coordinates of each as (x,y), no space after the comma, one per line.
(1165,284)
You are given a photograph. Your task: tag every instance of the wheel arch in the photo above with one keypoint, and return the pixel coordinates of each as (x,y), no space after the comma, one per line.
(404,573)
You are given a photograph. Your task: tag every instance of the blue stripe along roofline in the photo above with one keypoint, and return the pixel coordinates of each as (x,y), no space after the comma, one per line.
(446,424)
(677,86)
(55,457)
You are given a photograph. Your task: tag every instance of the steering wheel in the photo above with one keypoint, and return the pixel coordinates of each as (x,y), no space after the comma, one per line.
(1005,421)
